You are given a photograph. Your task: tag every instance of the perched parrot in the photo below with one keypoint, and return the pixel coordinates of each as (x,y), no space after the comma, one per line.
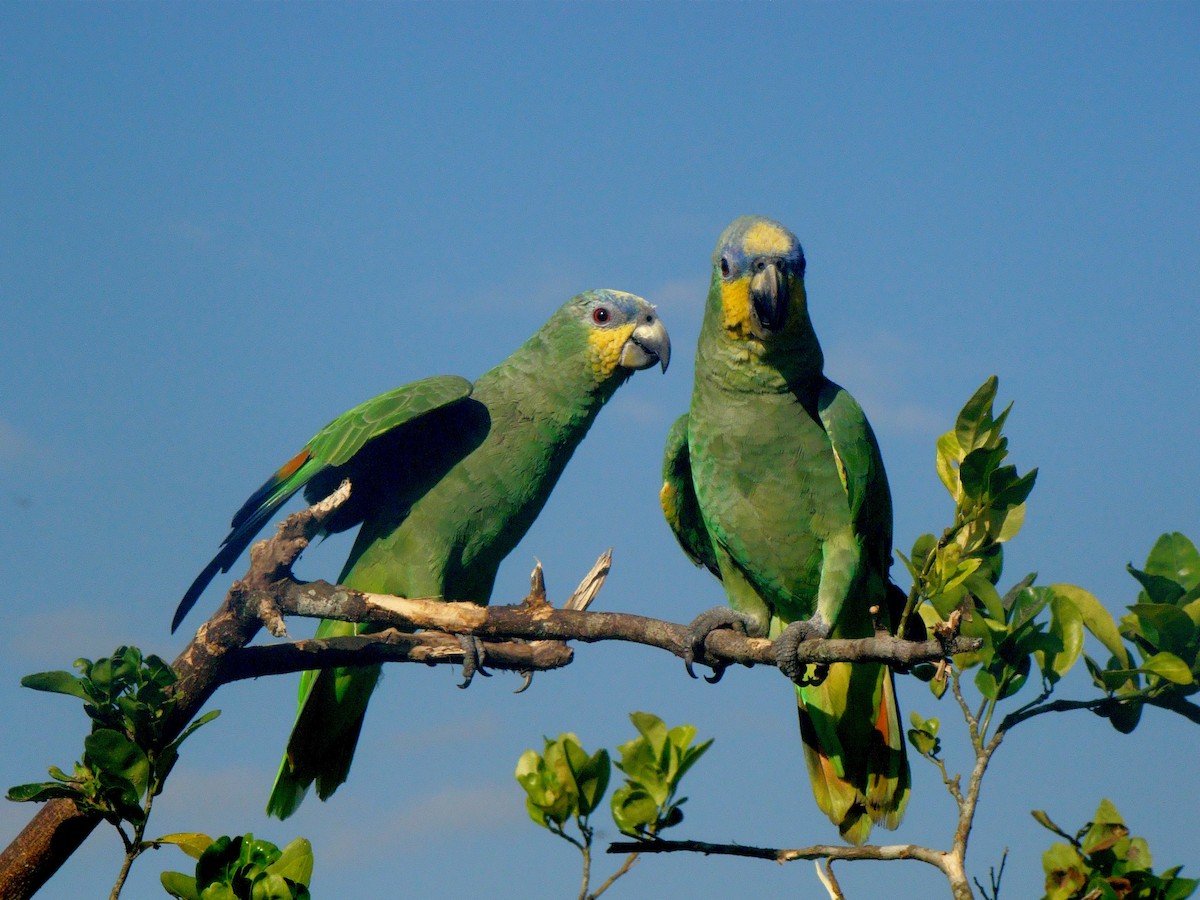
(446,477)
(774,482)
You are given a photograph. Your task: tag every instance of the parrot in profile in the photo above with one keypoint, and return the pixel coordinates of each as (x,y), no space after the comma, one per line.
(774,482)
(446,478)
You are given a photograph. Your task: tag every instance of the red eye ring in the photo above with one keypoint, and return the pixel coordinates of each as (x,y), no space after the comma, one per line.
(600,315)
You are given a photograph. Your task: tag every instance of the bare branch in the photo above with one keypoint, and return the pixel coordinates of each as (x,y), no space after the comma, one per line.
(818,851)
(319,599)
(389,646)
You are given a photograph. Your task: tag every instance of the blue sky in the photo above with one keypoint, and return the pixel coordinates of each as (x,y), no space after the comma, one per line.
(221,225)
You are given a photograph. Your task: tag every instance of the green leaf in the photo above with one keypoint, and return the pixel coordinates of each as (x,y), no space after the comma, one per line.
(1157,588)
(1175,557)
(1004,525)
(193,843)
(1106,829)
(986,593)
(976,469)
(690,756)
(1015,492)
(949,453)
(1066,627)
(295,862)
(112,752)
(653,729)
(633,809)
(1065,872)
(271,887)
(42,791)
(1046,822)
(974,423)
(1170,667)
(1096,619)
(1166,627)
(592,778)
(180,886)
(56,683)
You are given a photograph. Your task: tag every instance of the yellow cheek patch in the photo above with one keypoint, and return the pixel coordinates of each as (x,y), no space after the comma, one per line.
(735,308)
(766,239)
(606,345)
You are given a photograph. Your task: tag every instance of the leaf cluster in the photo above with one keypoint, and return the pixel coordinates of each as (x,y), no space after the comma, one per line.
(564,782)
(654,763)
(240,868)
(1163,627)
(989,508)
(125,759)
(1102,861)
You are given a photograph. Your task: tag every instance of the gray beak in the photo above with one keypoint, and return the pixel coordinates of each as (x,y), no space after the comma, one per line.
(769,294)
(649,344)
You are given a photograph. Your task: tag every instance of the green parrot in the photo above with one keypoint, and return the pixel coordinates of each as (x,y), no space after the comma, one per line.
(774,482)
(446,476)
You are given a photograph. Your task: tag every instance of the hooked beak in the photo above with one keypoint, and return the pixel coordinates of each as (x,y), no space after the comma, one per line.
(649,344)
(768,296)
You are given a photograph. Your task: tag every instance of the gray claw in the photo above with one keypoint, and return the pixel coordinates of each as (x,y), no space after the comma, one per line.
(704,625)
(788,644)
(472,648)
(527,677)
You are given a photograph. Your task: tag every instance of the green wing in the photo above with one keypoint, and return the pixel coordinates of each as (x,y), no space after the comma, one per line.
(861,467)
(679,503)
(853,739)
(333,446)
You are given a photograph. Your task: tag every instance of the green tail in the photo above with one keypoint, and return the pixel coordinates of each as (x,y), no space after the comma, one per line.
(333,703)
(854,747)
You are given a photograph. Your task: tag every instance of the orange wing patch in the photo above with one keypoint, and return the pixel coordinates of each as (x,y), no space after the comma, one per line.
(289,468)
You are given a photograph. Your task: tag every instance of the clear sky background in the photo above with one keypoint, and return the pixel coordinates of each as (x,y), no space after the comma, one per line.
(222,225)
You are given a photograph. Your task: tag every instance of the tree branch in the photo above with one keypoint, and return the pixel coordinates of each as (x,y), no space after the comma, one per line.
(817,851)
(218,654)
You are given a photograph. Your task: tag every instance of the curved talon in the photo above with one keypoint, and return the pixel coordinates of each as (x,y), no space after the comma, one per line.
(787,646)
(704,625)
(473,654)
(527,676)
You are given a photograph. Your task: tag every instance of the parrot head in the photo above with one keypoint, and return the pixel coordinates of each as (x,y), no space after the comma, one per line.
(623,332)
(758,280)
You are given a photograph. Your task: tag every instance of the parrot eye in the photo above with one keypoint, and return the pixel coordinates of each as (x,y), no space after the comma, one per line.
(601,315)
(725,266)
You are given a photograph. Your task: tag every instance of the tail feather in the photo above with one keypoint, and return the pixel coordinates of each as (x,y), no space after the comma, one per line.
(854,748)
(248,522)
(333,704)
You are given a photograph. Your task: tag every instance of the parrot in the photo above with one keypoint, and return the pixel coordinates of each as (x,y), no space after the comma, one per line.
(774,482)
(446,478)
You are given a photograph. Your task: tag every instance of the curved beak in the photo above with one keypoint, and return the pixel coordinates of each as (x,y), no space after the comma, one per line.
(769,295)
(648,344)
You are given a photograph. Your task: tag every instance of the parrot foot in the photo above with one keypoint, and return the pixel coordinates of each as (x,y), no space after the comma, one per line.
(708,622)
(788,644)
(472,648)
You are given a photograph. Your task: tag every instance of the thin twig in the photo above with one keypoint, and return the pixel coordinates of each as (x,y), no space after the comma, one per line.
(817,851)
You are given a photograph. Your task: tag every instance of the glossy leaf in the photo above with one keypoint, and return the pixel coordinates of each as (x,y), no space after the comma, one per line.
(1096,619)
(1175,557)
(975,420)
(192,843)
(1157,588)
(1170,667)
(56,683)
(295,862)
(180,886)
